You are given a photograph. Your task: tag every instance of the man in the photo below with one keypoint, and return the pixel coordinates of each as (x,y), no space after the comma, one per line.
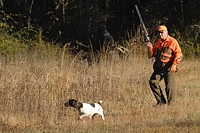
(167,53)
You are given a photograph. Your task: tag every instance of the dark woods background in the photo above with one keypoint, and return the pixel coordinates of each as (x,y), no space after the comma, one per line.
(85,22)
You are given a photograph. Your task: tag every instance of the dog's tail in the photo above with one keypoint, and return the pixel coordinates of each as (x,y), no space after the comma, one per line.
(100,101)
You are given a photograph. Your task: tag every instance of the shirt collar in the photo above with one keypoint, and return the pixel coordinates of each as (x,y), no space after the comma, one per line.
(168,38)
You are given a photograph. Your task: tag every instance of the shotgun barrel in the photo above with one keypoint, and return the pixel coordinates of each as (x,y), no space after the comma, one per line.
(142,23)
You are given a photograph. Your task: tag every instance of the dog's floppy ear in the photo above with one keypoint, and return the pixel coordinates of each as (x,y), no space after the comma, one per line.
(79,105)
(73,103)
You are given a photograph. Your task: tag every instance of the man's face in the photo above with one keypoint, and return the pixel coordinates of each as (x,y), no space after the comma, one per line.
(163,34)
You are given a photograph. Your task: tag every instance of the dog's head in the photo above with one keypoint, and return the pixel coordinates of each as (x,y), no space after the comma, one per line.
(73,103)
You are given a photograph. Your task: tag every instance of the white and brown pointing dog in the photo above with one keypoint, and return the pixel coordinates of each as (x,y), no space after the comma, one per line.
(85,109)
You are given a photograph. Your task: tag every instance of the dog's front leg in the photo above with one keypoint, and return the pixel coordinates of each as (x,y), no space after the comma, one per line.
(83,115)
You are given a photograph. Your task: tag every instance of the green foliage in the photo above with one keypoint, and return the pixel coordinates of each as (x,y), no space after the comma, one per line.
(21,41)
(189,40)
(8,43)
(10,46)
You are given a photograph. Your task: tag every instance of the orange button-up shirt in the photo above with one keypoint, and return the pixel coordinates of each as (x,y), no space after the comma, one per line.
(173,45)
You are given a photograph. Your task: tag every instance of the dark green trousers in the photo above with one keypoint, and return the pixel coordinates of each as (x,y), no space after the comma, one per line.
(169,79)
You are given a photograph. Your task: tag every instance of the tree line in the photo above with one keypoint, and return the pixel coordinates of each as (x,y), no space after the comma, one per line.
(88,21)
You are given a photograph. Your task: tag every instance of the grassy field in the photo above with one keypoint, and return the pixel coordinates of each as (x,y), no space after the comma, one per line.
(34,85)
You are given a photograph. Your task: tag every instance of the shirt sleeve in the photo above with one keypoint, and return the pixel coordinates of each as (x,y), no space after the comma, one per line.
(177,52)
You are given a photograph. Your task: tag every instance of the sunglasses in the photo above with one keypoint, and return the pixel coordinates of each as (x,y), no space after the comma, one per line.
(161,31)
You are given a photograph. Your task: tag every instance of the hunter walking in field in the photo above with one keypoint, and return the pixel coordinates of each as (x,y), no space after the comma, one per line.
(167,53)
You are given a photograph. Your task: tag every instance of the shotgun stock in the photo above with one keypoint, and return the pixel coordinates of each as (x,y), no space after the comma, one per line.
(142,23)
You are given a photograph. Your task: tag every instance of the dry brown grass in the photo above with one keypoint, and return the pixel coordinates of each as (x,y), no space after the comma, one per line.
(35,85)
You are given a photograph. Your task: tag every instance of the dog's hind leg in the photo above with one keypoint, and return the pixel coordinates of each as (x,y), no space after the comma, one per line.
(102,116)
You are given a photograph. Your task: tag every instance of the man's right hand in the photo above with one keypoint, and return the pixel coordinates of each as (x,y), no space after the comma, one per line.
(149,45)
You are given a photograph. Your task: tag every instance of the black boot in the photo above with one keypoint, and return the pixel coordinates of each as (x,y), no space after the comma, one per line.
(160,103)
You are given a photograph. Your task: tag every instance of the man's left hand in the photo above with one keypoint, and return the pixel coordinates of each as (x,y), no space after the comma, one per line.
(173,68)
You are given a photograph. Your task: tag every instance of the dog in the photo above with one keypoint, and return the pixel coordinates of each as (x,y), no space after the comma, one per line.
(85,109)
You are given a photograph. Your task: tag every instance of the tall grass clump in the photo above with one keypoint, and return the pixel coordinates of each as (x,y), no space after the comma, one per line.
(36,82)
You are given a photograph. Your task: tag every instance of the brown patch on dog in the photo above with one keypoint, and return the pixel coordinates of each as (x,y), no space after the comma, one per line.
(93,105)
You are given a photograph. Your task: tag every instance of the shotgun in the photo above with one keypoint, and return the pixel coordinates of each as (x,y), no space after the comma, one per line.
(142,23)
